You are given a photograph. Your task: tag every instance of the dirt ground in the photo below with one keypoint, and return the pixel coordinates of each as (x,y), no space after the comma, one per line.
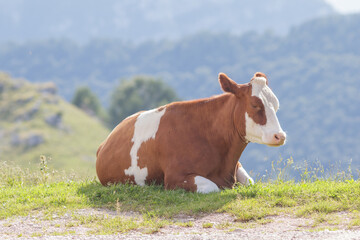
(223,226)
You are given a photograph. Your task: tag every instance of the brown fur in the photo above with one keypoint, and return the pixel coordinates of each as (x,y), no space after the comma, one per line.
(111,157)
(195,138)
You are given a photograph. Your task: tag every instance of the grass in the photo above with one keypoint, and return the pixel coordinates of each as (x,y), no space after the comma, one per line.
(207,225)
(51,194)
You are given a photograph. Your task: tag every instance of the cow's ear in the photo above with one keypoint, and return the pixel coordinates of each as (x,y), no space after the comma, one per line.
(227,84)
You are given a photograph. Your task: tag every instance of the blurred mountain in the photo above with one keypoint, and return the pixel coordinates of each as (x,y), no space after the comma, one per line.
(314,71)
(189,64)
(35,121)
(136,21)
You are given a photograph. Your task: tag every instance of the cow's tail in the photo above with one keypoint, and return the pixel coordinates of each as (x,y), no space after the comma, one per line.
(99,149)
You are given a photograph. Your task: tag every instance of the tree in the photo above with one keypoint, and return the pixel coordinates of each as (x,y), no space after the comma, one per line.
(86,100)
(139,93)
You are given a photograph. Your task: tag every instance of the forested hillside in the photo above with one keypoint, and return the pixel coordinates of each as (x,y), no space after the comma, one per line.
(314,70)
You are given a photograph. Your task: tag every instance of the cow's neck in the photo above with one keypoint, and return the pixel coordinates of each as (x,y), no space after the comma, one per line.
(220,122)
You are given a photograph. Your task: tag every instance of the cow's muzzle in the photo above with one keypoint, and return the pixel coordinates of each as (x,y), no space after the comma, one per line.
(278,139)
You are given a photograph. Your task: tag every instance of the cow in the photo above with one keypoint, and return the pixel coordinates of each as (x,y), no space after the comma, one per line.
(194,145)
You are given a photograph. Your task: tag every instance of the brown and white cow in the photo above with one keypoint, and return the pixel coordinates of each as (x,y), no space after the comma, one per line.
(194,145)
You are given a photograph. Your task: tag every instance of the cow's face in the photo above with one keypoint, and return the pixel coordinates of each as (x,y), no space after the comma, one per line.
(259,105)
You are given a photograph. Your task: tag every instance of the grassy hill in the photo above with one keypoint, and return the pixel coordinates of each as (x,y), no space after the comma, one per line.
(35,121)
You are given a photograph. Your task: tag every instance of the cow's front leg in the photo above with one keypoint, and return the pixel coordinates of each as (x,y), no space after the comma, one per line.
(242,176)
(191,182)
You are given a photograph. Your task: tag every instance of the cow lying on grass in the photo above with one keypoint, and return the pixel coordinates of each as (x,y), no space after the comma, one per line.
(194,145)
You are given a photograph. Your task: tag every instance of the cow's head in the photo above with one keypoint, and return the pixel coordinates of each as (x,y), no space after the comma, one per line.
(258,106)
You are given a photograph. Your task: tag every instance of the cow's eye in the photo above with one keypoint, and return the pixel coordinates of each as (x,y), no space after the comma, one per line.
(256,107)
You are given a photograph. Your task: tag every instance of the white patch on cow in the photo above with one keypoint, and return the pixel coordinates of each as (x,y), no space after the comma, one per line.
(243,177)
(263,134)
(204,185)
(146,127)
(262,91)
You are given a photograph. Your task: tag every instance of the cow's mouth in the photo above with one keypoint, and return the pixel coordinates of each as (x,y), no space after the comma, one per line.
(275,145)
(278,144)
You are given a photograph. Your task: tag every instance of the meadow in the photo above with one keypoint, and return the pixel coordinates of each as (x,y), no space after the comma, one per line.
(48,193)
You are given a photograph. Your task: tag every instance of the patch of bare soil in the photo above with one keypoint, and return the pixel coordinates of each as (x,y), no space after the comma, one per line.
(211,226)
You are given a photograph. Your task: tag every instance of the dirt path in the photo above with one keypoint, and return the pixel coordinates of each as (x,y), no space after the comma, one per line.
(212,226)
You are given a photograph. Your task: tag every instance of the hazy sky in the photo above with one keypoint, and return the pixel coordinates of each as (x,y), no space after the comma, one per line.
(345,6)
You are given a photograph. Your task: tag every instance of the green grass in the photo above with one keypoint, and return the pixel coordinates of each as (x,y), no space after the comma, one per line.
(24,192)
(207,225)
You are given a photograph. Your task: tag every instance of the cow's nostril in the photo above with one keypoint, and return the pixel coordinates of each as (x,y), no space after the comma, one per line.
(279,138)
